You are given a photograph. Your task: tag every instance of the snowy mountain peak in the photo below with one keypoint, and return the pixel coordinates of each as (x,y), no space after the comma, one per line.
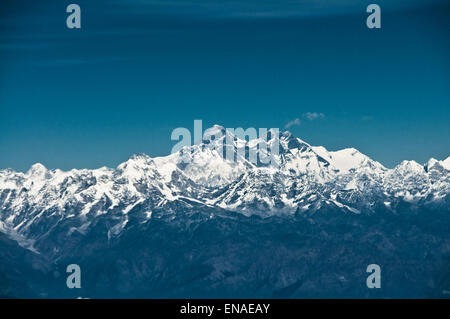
(139,157)
(348,159)
(37,170)
(215,132)
(289,142)
(437,165)
(409,166)
(446,163)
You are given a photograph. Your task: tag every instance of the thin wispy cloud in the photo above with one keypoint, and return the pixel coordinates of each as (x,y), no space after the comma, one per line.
(78,61)
(292,123)
(262,8)
(311,116)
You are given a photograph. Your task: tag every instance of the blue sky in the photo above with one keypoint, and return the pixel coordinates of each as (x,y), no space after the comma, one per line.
(138,69)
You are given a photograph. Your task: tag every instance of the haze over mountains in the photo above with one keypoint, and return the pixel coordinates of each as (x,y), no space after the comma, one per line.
(196,224)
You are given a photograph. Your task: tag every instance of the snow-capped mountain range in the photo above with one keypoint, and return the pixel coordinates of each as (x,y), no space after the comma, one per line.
(302,179)
(305,224)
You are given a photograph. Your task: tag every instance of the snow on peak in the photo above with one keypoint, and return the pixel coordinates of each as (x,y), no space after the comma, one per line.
(406,167)
(215,130)
(136,160)
(37,171)
(347,159)
(137,167)
(350,158)
(446,163)
(289,142)
(439,165)
(140,157)
(431,162)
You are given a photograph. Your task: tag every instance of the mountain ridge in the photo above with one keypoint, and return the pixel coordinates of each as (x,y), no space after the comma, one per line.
(301,178)
(310,219)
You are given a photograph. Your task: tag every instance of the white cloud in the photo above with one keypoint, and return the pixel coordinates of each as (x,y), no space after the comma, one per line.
(313,116)
(295,122)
